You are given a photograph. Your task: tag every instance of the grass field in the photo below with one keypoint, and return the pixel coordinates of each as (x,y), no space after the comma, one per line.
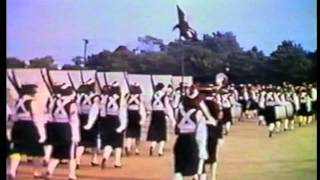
(247,154)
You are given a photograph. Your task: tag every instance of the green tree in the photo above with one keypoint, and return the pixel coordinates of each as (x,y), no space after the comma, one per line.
(13,62)
(44,62)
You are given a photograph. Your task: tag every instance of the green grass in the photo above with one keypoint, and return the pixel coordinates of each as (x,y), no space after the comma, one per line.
(288,156)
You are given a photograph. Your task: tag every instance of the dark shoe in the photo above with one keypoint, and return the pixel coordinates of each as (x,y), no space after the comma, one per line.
(150,151)
(160,154)
(78,166)
(117,166)
(93,164)
(270,134)
(137,153)
(103,163)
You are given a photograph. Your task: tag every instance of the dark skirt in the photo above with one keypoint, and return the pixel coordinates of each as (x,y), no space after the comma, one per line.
(50,137)
(227,116)
(158,127)
(25,138)
(261,112)
(109,135)
(214,133)
(243,105)
(270,115)
(8,153)
(186,155)
(252,105)
(88,137)
(133,129)
(303,110)
(60,137)
(314,107)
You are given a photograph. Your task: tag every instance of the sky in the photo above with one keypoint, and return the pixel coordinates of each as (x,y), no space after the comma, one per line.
(37,28)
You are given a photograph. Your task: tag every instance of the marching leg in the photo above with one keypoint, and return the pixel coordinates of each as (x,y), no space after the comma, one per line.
(51,167)
(117,163)
(128,146)
(14,163)
(286,122)
(73,162)
(161,147)
(228,126)
(80,151)
(94,160)
(152,147)
(106,155)
(292,124)
(278,126)
(47,154)
(37,167)
(271,129)
(214,171)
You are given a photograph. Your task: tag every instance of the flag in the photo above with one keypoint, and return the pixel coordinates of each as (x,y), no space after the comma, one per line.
(185,30)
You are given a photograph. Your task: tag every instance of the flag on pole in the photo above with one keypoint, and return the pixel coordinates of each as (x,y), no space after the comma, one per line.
(185,30)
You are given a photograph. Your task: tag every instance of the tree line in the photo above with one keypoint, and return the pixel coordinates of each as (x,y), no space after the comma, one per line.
(202,59)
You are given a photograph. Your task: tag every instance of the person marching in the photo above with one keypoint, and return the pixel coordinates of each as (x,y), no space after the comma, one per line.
(290,97)
(64,134)
(136,118)
(305,107)
(113,122)
(226,108)
(261,108)
(313,96)
(214,136)
(270,112)
(161,108)
(190,146)
(28,131)
(89,138)
(49,107)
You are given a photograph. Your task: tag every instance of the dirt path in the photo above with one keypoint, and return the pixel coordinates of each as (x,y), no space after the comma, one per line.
(247,154)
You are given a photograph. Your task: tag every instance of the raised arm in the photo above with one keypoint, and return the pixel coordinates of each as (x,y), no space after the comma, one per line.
(74,123)
(93,113)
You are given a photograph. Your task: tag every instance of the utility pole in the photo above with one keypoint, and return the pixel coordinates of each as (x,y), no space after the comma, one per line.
(86,41)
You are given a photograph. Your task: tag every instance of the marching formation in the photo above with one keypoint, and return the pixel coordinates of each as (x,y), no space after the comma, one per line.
(201,115)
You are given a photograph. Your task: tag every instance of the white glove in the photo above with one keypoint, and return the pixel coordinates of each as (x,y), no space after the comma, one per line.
(42,139)
(87,127)
(9,135)
(119,130)
(212,121)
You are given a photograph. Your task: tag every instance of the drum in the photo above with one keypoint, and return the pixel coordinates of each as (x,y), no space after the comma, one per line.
(236,111)
(280,112)
(289,110)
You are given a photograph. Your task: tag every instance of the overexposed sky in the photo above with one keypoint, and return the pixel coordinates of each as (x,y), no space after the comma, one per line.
(37,28)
